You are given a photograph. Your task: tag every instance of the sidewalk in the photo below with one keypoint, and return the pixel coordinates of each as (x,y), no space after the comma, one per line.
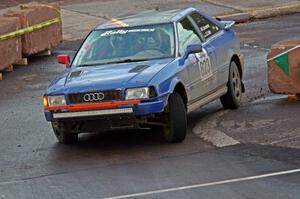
(79,18)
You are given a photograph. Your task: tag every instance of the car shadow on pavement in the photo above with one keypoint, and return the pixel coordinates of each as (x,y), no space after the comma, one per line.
(119,138)
(118,147)
(125,146)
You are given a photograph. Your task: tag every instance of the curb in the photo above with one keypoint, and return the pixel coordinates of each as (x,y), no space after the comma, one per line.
(237,17)
(263,13)
(207,129)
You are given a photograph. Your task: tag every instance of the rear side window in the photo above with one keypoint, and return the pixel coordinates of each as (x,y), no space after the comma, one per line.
(206,27)
(186,35)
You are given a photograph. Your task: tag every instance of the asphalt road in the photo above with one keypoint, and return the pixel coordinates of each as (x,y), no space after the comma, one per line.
(33,165)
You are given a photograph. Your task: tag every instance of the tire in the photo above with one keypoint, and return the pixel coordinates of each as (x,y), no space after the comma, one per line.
(176,125)
(232,99)
(63,134)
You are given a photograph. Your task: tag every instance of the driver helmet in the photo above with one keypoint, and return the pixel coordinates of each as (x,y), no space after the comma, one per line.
(153,40)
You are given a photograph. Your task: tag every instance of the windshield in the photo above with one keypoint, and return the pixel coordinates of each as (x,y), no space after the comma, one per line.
(127,45)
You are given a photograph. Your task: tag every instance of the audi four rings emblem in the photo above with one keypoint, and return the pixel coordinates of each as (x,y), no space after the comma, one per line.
(91,97)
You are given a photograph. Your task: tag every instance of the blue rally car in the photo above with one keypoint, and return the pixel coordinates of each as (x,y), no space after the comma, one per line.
(146,70)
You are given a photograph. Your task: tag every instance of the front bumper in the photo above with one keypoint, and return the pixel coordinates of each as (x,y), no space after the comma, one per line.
(95,113)
(140,109)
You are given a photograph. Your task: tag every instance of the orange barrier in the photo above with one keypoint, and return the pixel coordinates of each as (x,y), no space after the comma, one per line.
(284,67)
(40,38)
(10,49)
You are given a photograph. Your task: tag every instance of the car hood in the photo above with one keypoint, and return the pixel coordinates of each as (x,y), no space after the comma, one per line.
(109,76)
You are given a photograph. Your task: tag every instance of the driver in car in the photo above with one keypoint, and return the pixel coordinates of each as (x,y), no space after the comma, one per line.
(155,42)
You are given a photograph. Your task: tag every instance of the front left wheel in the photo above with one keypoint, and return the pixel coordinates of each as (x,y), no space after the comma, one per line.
(176,125)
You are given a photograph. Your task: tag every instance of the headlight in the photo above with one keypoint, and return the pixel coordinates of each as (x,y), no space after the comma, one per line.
(137,93)
(58,100)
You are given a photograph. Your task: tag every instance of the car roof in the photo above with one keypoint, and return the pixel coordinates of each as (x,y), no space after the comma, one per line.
(146,18)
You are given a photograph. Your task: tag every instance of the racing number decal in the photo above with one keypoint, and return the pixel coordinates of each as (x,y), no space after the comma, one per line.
(204,64)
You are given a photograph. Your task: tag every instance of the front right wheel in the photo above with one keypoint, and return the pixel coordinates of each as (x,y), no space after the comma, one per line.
(233,97)
(176,125)
(63,134)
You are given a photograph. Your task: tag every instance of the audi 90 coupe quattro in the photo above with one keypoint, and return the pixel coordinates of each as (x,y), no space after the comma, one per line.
(146,70)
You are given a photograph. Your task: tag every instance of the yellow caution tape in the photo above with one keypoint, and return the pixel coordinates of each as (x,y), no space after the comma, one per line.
(30,29)
(33,27)
(22,6)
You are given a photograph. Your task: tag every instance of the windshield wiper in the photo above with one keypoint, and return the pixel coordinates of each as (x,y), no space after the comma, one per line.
(85,65)
(134,60)
(115,62)
(127,61)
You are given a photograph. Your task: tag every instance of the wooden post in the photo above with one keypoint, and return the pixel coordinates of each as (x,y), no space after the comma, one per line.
(22,62)
(44,53)
(9,69)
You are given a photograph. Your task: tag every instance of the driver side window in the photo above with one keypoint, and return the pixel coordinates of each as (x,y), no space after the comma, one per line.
(186,35)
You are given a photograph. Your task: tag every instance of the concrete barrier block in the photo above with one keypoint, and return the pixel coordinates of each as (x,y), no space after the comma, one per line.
(10,49)
(42,39)
(284,67)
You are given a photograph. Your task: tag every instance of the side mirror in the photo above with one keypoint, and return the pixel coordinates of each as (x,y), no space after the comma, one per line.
(63,59)
(190,49)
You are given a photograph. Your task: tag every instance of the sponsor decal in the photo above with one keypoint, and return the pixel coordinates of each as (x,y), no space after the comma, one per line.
(204,64)
(123,32)
(119,23)
(203,28)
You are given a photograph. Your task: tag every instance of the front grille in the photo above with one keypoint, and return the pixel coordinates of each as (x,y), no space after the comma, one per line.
(109,95)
